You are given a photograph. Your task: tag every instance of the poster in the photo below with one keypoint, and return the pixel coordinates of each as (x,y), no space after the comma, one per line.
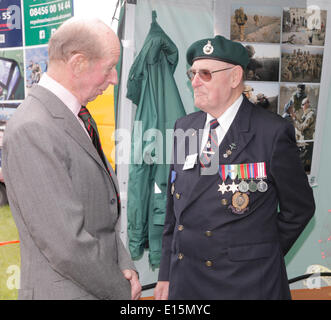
(10,24)
(42,18)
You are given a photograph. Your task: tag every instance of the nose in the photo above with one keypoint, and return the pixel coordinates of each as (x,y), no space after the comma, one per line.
(196,81)
(113,79)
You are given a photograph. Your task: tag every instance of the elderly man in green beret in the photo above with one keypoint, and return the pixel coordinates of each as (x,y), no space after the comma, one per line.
(238,201)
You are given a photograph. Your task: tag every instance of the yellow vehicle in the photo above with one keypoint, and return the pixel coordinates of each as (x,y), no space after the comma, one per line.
(102,111)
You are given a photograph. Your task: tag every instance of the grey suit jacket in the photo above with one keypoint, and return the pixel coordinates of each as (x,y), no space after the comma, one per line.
(64,205)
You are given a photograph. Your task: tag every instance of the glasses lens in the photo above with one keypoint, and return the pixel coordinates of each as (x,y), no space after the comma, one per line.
(190,74)
(205,75)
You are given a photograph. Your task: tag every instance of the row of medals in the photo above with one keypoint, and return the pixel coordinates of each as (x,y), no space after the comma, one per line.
(240,200)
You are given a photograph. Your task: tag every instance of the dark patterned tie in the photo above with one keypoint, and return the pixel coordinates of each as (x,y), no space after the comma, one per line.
(92,130)
(211,146)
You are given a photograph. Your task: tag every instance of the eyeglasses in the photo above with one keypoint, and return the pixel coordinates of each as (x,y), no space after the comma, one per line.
(204,74)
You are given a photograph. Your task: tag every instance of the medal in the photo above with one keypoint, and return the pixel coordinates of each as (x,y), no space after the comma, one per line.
(223,188)
(240,202)
(252,173)
(242,174)
(262,186)
(172,189)
(252,187)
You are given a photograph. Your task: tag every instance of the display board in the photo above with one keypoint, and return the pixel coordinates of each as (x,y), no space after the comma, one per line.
(288,41)
(25,29)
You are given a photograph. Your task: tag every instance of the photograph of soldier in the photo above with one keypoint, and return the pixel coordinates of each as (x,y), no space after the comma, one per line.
(256,24)
(36,61)
(263,94)
(263,63)
(304,26)
(306,123)
(298,104)
(306,154)
(301,64)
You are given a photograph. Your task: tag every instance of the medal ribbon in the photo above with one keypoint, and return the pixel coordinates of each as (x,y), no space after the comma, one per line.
(262,174)
(251,170)
(246,171)
(173,176)
(233,171)
(223,172)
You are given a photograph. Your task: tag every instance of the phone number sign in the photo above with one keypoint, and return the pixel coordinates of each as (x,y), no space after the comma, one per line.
(42,18)
(10,23)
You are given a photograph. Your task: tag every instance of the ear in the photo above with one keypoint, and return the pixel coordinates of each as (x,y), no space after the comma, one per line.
(237,76)
(78,64)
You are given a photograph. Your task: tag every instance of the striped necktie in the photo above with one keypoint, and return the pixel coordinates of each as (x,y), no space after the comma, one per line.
(211,145)
(92,130)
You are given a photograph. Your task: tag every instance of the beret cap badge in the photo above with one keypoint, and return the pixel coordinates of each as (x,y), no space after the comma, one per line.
(208,48)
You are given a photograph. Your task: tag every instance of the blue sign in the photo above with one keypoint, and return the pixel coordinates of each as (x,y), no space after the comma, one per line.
(10,23)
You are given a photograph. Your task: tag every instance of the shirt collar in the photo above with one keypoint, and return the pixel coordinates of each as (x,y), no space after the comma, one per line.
(225,120)
(61,92)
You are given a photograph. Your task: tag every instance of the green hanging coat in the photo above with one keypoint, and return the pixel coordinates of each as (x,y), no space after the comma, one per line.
(151,86)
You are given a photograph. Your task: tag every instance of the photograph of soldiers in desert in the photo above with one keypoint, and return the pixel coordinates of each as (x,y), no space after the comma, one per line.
(256,24)
(301,64)
(304,26)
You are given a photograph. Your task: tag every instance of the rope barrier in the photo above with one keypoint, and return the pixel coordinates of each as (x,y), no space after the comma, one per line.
(8,242)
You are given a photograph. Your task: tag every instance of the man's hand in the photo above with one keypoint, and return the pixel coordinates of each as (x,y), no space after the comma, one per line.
(161,290)
(132,276)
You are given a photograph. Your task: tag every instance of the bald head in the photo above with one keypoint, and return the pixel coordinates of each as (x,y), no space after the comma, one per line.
(83,54)
(84,36)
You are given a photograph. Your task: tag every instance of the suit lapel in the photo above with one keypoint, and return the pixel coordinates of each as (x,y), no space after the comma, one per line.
(239,134)
(66,119)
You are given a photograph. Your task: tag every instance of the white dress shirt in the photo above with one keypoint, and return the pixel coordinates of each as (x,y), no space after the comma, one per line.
(63,94)
(225,121)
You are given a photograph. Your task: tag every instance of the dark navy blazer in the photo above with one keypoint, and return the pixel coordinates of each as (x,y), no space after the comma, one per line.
(210,252)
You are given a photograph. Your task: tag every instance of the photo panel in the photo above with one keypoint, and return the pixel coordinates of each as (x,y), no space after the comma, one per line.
(301,64)
(255,23)
(298,103)
(263,62)
(304,26)
(11,74)
(36,63)
(263,94)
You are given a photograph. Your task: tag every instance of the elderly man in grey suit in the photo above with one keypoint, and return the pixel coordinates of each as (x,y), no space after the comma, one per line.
(63,193)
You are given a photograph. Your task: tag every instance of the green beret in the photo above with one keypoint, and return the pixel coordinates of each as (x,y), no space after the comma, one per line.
(218,48)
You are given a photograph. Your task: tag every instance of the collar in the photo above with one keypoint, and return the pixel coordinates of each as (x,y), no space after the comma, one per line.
(61,92)
(227,117)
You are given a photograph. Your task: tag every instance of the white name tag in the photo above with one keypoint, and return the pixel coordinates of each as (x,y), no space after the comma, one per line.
(190,161)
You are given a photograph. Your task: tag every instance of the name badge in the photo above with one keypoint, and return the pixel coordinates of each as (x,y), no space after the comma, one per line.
(190,161)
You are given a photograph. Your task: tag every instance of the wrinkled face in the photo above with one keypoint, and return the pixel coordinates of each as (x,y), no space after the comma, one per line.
(100,74)
(212,95)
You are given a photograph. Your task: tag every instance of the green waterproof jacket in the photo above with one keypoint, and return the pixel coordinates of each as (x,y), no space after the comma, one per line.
(152,88)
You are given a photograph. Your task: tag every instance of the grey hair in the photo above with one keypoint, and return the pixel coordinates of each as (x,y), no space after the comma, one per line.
(77,36)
